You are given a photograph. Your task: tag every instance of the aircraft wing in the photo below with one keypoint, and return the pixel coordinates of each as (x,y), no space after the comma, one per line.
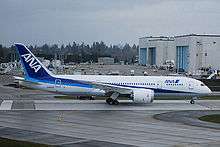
(108,87)
(19,78)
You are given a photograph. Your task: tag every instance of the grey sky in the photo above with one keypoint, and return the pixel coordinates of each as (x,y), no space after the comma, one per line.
(112,21)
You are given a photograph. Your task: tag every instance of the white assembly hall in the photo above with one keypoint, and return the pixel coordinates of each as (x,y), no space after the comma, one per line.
(190,53)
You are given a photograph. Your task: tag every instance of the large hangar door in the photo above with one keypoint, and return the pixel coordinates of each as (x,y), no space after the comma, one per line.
(143,56)
(182,58)
(152,55)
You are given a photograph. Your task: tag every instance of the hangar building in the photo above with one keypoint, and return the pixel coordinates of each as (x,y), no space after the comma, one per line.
(189,52)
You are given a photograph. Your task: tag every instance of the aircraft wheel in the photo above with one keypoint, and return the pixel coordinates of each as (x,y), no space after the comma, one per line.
(91,98)
(192,101)
(109,101)
(115,102)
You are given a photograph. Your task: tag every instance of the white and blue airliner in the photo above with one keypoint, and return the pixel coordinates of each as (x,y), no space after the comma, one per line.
(140,89)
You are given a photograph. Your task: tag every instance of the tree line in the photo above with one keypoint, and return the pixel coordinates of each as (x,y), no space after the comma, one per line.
(76,52)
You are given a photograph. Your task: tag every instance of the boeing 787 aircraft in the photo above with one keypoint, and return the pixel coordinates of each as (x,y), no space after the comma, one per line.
(140,89)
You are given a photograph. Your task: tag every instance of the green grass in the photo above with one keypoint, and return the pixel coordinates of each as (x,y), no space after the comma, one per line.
(4,142)
(211,97)
(68,97)
(215,118)
(64,97)
(169,98)
(182,98)
(157,98)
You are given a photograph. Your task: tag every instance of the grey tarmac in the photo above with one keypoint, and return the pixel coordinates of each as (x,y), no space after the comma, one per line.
(33,115)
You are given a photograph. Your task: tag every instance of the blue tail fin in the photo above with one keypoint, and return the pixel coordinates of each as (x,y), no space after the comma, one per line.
(32,66)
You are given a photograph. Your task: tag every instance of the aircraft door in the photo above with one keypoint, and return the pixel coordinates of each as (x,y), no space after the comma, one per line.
(190,85)
(57,83)
(159,85)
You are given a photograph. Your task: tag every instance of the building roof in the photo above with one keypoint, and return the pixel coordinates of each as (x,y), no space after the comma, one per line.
(187,35)
(168,39)
(202,35)
(154,37)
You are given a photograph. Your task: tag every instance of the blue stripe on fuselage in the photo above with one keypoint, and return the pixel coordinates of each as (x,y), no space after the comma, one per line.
(156,90)
(66,82)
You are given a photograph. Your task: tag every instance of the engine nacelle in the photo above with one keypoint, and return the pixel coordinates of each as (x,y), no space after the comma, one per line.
(143,95)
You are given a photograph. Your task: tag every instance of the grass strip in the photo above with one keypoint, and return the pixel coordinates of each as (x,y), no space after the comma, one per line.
(215,118)
(4,142)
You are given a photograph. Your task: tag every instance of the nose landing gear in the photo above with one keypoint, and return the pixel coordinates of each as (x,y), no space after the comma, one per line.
(192,101)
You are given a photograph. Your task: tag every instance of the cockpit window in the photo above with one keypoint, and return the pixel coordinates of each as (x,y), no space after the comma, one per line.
(202,84)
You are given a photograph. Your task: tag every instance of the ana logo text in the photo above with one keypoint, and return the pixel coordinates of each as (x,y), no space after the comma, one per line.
(32,62)
(172,81)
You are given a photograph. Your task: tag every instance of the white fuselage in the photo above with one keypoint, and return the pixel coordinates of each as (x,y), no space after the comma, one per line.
(161,85)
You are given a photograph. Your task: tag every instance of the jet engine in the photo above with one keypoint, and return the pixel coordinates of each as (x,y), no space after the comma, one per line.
(142,95)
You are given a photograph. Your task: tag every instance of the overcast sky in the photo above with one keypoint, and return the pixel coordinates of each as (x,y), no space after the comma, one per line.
(112,21)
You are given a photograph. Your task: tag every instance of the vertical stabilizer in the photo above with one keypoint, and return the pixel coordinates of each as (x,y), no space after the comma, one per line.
(32,66)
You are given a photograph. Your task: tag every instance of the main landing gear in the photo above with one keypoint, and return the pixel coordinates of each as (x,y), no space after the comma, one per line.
(113,99)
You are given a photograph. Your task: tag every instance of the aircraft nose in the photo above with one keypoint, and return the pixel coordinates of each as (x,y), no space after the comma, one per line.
(209,90)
